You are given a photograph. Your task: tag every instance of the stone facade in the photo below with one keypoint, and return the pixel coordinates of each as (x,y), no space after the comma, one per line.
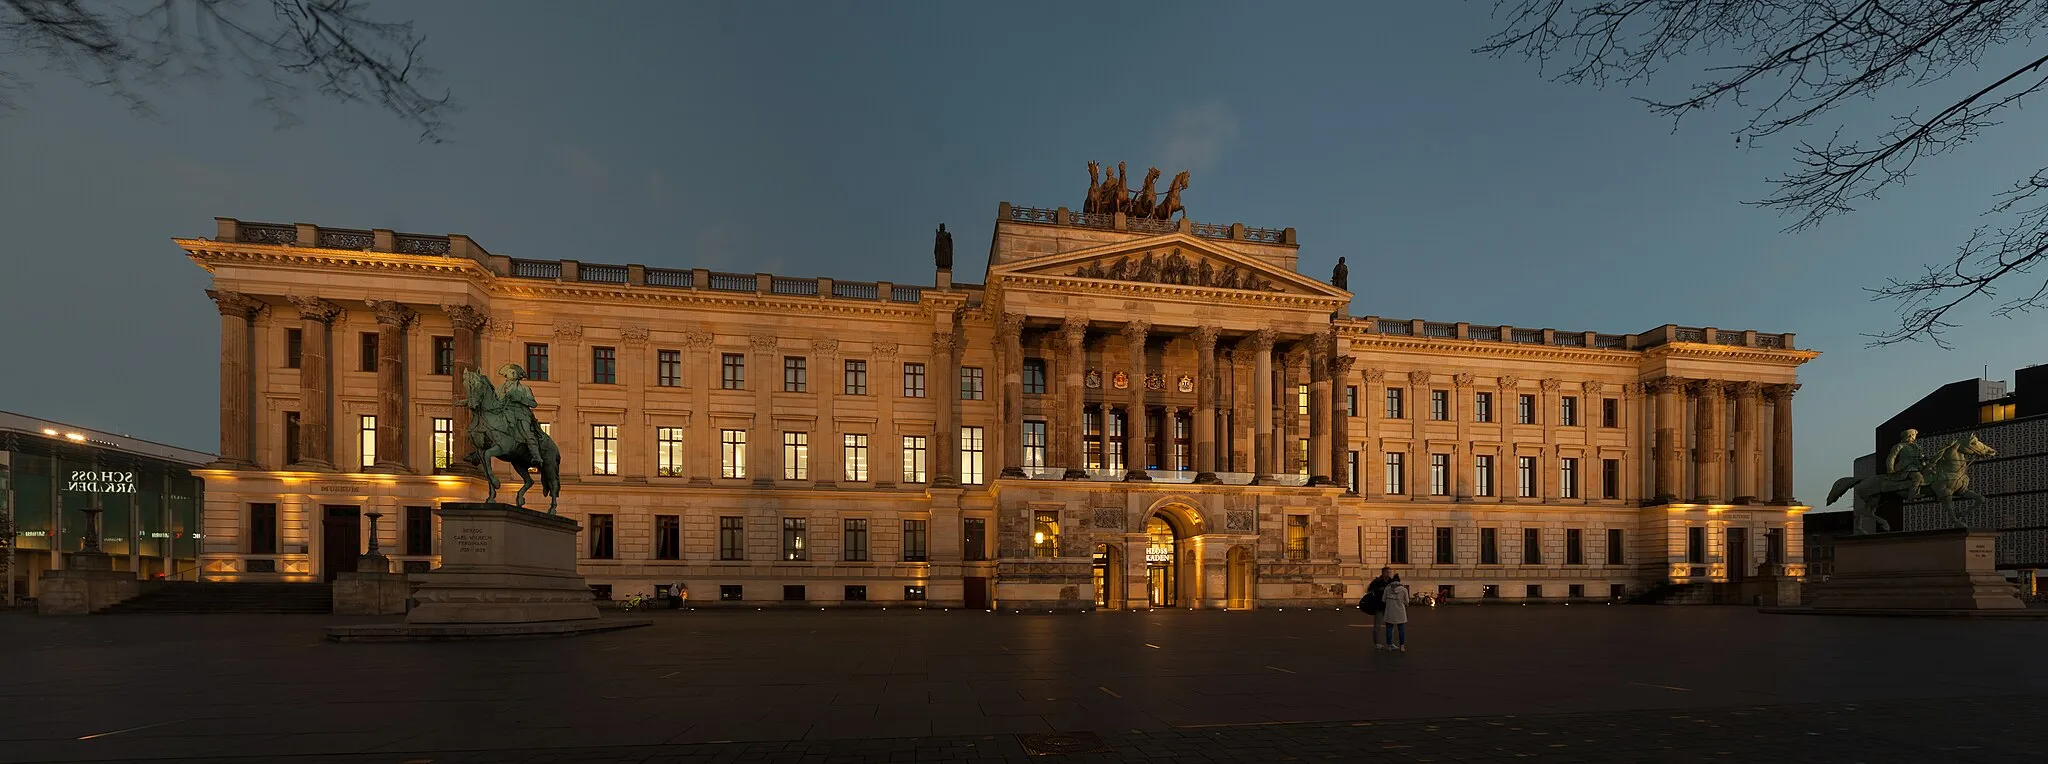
(768,440)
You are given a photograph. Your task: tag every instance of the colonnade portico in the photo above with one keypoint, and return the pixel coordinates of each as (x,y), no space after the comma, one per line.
(1704,444)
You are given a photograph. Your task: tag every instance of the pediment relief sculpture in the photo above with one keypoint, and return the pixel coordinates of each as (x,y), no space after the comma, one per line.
(1178,269)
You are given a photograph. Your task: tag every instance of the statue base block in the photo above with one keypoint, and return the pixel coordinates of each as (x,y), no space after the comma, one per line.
(1949,570)
(505,572)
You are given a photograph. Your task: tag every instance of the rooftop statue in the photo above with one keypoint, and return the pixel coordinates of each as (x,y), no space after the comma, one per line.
(1340,277)
(942,248)
(1910,475)
(502,427)
(1109,193)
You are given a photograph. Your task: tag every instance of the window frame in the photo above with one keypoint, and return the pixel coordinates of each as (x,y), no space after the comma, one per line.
(443,350)
(853,539)
(604,449)
(603,537)
(796,543)
(916,456)
(537,361)
(668,368)
(671,457)
(855,372)
(604,365)
(914,380)
(853,456)
(796,374)
(1034,376)
(732,538)
(668,537)
(796,455)
(973,383)
(732,454)
(732,371)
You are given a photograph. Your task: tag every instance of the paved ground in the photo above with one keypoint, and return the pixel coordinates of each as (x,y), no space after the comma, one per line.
(1578,683)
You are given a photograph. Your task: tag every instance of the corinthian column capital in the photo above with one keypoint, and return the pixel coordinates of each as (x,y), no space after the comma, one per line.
(1205,338)
(392,313)
(315,309)
(1010,327)
(1261,340)
(236,304)
(466,317)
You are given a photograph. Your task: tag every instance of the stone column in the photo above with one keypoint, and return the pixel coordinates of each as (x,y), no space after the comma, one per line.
(945,389)
(1319,463)
(567,358)
(1073,393)
(1136,445)
(828,450)
(1670,424)
(764,444)
(1708,442)
(1340,421)
(392,318)
(1373,405)
(636,439)
(1010,345)
(1631,457)
(237,433)
(703,448)
(1781,442)
(316,439)
(467,322)
(1549,465)
(1287,407)
(885,369)
(1262,405)
(1205,404)
(1463,467)
(1744,396)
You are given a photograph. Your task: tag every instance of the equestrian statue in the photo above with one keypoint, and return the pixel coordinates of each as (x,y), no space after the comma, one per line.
(502,427)
(1943,477)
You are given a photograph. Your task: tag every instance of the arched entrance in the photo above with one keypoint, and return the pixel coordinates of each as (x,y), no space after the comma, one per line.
(1239,586)
(1109,576)
(1162,562)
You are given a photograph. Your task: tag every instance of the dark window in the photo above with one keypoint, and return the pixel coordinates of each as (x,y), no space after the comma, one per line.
(792,593)
(537,361)
(1574,547)
(1351,400)
(668,368)
(1617,591)
(444,355)
(1610,478)
(263,529)
(913,541)
(604,366)
(1482,407)
(294,347)
(856,593)
(291,437)
(970,383)
(1439,474)
(732,538)
(855,542)
(974,541)
(1482,475)
(1610,412)
(796,374)
(1568,411)
(1394,408)
(1576,591)
(913,380)
(668,537)
(1446,549)
(1525,470)
(795,541)
(601,537)
(1440,405)
(1568,477)
(1614,555)
(369,359)
(1696,545)
(1489,591)
(1034,376)
(1397,546)
(419,531)
(913,593)
(1489,546)
(732,371)
(1535,592)
(856,377)
(601,592)
(731,592)
(1532,546)
(1525,409)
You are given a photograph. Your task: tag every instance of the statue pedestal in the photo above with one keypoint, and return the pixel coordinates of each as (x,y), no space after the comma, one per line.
(88,583)
(505,572)
(371,589)
(1949,570)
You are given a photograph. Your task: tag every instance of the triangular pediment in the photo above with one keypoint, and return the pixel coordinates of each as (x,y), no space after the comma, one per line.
(1175,259)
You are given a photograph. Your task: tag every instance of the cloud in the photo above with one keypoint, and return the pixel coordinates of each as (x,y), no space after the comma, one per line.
(1195,135)
(581,166)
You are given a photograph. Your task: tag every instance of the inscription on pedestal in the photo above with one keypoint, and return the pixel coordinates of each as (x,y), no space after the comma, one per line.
(472,540)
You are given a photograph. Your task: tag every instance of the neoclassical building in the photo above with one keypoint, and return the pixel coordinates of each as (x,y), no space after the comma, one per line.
(1127,412)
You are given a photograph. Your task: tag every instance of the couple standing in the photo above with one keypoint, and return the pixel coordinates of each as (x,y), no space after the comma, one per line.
(1386,598)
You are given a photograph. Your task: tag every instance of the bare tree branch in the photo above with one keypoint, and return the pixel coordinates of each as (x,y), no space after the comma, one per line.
(285,47)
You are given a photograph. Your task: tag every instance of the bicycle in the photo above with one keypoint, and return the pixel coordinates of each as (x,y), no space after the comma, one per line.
(635,602)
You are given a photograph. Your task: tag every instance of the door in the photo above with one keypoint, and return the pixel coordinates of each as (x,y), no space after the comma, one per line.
(341,541)
(976,593)
(1738,554)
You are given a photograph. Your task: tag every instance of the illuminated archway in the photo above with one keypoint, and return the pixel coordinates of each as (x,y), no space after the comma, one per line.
(1109,576)
(1238,587)
(1162,562)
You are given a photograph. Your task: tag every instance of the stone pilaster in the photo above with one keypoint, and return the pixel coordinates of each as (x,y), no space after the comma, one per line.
(392,319)
(567,358)
(1743,396)
(1137,444)
(467,322)
(1205,404)
(1073,394)
(1340,420)
(828,449)
(237,364)
(316,437)
(944,452)
(1370,460)
(1670,425)
(1550,465)
(1708,442)
(1319,462)
(703,446)
(634,434)
(885,372)
(1010,344)
(1260,344)
(764,444)
(1463,467)
(1781,442)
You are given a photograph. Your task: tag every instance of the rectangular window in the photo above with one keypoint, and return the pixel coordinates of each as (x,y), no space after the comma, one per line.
(1568,477)
(1297,538)
(854,456)
(368,362)
(668,451)
(1574,546)
(793,593)
(1034,376)
(1533,591)
(1351,475)
(537,361)
(1614,555)
(1482,407)
(444,355)
(795,374)
(604,366)
(1575,591)
(970,456)
(732,538)
(1610,412)
(1610,478)
(1301,455)
(795,541)
(294,347)
(913,593)
(1489,546)
(1440,405)
(856,593)
(1397,546)
(732,453)
(263,528)
(914,540)
(1568,411)
(1045,534)
(1525,409)
(668,368)
(856,377)
(1525,474)
(1351,400)
(1394,408)
(1532,546)
(668,537)
(366,437)
(1439,474)
(601,537)
(1301,399)
(974,539)
(1696,545)
(1183,442)
(970,383)
(913,458)
(732,371)
(1091,438)
(419,531)
(604,449)
(913,380)
(1482,474)
(1446,549)
(1034,444)
(1113,443)
(854,541)
(546,429)
(291,437)
(796,456)
(1397,483)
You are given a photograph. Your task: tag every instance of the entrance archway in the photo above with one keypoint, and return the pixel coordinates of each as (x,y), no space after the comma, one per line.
(1109,576)
(1163,584)
(1239,584)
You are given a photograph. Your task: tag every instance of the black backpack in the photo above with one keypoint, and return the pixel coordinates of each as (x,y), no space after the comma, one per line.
(1374,600)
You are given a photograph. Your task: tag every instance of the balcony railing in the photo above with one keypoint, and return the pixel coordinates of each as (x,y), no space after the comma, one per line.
(537,269)
(800,287)
(1069,217)
(733,282)
(670,277)
(1659,336)
(602,274)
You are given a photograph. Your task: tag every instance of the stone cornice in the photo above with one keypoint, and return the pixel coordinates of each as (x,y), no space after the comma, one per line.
(1363,341)
(1703,351)
(208,253)
(1205,295)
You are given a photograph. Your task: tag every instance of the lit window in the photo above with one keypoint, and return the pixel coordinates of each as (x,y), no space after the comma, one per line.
(970,456)
(1297,538)
(1045,535)
(856,457)
(1568,474)
(369,439)
(1034,444)
(913,458)
(1301,399)
(794,546)
(1397,483)
(796,456)
(1525,472)
(732,453)
(668,451)
(1482,475)
(1439,474)
(444,442)
(604,449)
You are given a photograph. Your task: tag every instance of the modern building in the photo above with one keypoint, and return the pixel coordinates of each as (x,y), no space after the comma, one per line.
(2010,418)
(59,484)
(1126,412)
(1822,528)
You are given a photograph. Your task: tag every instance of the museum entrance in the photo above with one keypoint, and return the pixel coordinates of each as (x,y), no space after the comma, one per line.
(1738,554)
(1162,562)
(1109,576)
(341,541)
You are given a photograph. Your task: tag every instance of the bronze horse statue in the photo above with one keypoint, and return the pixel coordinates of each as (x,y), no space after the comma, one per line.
(1171,205)
(1947,476)
(493,432)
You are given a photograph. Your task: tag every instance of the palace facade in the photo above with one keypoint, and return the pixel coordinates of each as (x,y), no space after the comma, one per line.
(1127,412)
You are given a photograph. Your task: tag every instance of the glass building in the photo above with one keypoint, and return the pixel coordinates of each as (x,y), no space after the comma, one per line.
(55,477)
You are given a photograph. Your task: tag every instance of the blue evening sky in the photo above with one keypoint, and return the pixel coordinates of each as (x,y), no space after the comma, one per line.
(828,139)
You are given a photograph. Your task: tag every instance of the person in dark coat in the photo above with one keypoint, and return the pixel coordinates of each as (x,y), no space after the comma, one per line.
(1375,603)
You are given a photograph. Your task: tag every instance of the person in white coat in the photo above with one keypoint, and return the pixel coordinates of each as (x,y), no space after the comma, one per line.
(1396,615)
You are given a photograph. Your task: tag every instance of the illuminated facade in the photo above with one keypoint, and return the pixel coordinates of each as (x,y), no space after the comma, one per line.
(1126,413)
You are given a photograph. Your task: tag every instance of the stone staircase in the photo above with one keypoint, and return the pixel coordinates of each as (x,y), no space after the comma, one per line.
(238,597)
